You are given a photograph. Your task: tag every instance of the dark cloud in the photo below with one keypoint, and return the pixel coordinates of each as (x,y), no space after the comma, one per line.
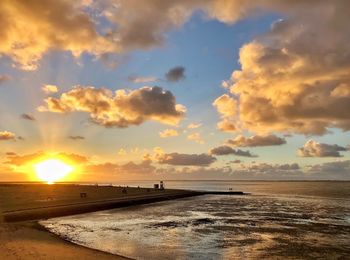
(314,149)
(176,74)
(330,170)
(121,110)
(256,140)
(226,150)
(269,171)
(236,161)
(145,167)
(76,137)
(28,117)
(128,169)
(186,159)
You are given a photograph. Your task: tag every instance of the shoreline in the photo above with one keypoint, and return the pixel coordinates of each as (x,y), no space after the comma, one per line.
(30,240)
(22,205)
(39,227)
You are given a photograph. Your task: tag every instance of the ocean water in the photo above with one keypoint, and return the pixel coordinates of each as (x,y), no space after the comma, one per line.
(279,220)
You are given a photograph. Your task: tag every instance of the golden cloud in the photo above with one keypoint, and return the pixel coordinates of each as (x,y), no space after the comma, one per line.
(227,107)
(296,77)
(30,28)
(196,137)
(120,110)
(6,135)
(314,149)
(48,89)
(80,26)
(168,133)
(194,126)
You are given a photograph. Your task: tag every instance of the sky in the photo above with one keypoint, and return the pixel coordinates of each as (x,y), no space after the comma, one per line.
(175,90)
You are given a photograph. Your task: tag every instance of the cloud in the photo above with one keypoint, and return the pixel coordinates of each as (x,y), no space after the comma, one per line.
(256,140)
(269,171)
(240,171)
(330,170)
(226,150)
(314,149)
(122,152)
(176,74)
(96,27)
(6,135)
(10,154)
(194,126)
(195,137)
(32,28)
(186,159)
(168,133)
(236,161)
(140,79)
(21,160)
(49,89)
(227,107)
(28,117)
(123,109)
(4,78)
(144,168)
(295,77)
(76,137)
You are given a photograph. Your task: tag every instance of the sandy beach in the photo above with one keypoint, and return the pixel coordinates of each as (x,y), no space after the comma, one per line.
(29,240)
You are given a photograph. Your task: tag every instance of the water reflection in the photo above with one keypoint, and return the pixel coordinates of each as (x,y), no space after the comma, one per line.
(217,227)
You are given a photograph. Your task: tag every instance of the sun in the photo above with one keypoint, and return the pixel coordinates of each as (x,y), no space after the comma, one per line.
(52,170)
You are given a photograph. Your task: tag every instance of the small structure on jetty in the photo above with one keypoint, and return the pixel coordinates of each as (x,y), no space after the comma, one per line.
(159,186)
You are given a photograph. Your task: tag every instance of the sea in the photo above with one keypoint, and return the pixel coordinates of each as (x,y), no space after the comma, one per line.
(278,220)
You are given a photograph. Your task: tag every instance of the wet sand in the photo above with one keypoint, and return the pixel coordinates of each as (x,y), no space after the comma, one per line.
(28,240)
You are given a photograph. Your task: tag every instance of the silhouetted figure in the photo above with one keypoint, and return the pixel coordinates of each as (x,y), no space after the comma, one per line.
(124,191)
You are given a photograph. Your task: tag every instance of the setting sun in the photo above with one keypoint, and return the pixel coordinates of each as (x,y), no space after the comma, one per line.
(52,170)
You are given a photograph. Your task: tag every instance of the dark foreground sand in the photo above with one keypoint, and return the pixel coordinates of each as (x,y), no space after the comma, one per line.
(28,240)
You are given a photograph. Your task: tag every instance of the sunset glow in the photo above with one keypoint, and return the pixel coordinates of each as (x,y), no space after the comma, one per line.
(52,170)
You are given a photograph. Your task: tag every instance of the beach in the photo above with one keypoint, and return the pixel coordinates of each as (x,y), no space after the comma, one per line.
(29,240)
(278,220)
(289,220)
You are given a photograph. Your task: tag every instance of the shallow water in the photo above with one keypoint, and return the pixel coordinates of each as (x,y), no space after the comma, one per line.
(314,222)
